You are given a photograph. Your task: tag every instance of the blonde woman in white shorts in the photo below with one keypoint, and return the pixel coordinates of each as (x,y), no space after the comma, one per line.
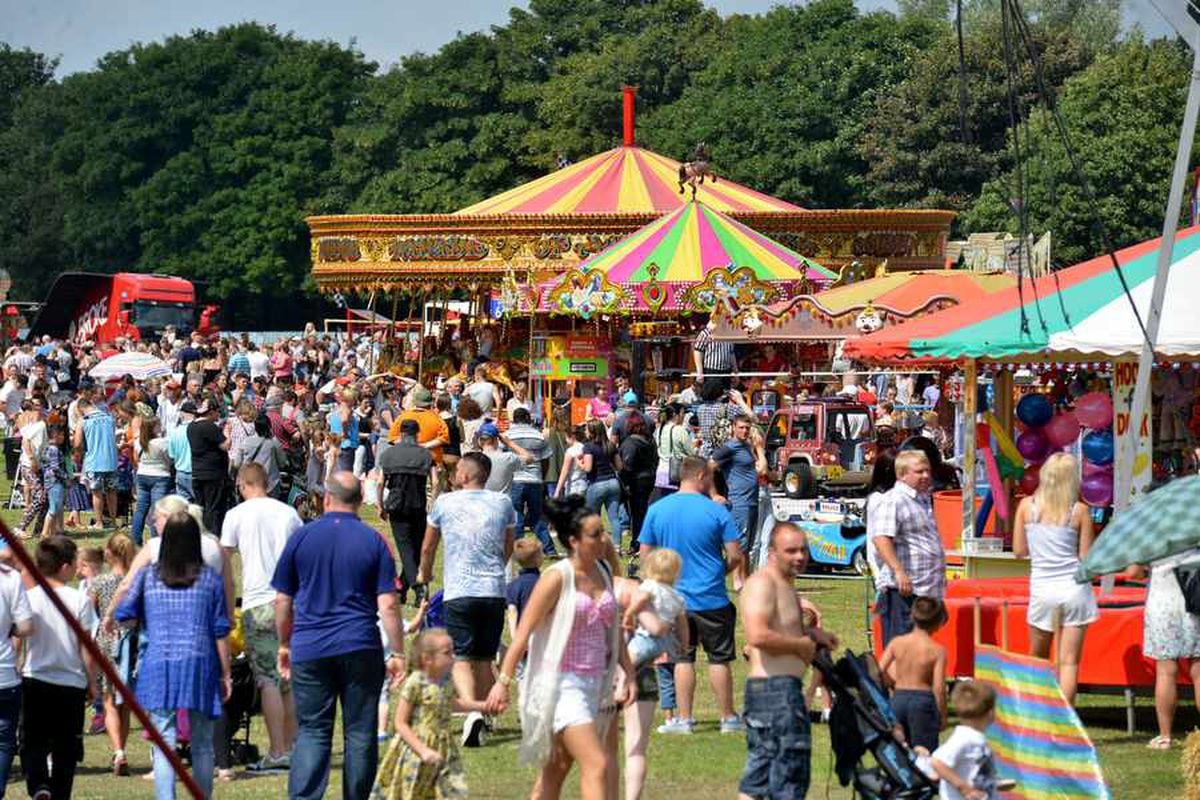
(1055,531)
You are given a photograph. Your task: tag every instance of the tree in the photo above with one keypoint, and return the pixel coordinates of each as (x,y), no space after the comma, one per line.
(782,101)
(197,156)
(917,152)
(20,70)
(1122,115)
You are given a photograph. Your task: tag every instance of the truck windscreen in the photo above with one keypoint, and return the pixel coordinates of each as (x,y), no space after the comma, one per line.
(152,317)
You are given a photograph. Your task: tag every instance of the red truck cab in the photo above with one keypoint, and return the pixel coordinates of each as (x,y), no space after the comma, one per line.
(83,306)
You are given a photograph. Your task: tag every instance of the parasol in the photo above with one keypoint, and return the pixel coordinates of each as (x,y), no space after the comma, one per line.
(687,260)
(1165,523)
(1072,314)
(142,366)
(624,180)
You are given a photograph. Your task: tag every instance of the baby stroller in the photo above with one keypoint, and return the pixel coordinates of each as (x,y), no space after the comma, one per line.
(862,720)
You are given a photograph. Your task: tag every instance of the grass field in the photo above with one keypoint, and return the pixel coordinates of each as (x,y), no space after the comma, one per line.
(706,764)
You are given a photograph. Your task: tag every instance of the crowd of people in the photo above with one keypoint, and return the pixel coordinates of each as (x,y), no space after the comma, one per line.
(604,548)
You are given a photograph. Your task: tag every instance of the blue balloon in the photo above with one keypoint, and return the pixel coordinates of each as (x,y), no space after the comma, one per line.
(1098,447)
(1034,410)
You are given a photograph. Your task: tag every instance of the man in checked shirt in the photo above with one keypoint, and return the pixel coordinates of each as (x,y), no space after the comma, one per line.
(910,561)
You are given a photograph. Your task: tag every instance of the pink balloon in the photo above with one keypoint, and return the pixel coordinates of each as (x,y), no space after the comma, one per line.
(1062,430)
(1029,481)
(1033,446)
(1092,468)
(1094,410)
(1097,489)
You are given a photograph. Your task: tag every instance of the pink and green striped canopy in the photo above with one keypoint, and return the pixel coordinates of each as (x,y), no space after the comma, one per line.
(679,251)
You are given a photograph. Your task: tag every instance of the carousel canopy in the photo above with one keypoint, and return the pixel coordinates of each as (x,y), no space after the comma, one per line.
(1072,314)
(624,180)
(866,305)
(687,260)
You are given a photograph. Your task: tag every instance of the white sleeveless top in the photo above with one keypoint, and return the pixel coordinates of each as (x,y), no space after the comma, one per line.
(1053,549)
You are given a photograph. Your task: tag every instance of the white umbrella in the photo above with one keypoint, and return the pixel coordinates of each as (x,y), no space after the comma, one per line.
(141,366)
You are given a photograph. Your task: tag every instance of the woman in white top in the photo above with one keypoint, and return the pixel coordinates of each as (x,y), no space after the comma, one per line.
(674,441)
(153,481)
(572,477)
(1055,531)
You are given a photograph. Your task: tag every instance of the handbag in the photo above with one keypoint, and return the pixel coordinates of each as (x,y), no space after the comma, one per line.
(1189,584)
(674,465)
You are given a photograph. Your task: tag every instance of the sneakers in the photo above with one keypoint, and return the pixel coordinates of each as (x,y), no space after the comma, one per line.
(97,726)
(473,729)
(271,764)
(678,726)
(733,724)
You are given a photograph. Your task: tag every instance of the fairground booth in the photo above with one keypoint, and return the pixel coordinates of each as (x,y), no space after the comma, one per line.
(560,279)
(1056,362)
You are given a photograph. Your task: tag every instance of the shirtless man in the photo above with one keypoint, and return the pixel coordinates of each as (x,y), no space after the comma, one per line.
(778,743)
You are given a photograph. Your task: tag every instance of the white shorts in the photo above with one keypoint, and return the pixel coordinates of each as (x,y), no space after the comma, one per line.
(578,700)
(1074,601)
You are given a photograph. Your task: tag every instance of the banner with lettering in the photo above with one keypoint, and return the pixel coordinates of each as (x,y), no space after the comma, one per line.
(1133,463)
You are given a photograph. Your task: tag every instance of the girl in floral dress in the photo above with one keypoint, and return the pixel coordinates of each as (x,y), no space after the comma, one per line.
(422,761)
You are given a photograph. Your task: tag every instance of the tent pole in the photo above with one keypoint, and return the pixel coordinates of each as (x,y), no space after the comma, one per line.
(1141,395)
(970,394)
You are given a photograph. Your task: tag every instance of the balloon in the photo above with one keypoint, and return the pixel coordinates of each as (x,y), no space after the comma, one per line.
(1032,445)
(1098,447)
(1094,410)
(1097,489)
(1090,468)
(1029,481)
(1062,430)
(1034,410)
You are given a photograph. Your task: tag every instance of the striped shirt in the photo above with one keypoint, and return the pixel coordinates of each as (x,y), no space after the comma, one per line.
(715,356)
(906,517)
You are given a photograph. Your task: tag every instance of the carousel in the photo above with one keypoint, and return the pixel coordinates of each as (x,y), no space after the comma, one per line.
(499,261)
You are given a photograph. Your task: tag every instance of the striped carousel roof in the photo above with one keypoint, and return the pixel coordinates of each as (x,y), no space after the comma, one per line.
(624,180)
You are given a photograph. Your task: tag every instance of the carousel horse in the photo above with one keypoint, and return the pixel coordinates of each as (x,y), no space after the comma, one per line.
(692,173)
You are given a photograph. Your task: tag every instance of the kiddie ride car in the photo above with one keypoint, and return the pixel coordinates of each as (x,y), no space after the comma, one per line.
(837,535)
(821,447)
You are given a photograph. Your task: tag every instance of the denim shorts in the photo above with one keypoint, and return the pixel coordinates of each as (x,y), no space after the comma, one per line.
(778,739)
(56,495)
(745,519)
(917,712)
(895,613)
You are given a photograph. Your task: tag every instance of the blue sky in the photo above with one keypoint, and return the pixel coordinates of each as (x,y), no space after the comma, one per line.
(80,31)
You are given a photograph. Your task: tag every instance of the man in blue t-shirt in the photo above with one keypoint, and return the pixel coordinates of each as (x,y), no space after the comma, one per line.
(334,580)
(703,534)
(738,461)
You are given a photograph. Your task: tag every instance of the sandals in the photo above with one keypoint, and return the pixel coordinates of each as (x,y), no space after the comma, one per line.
(1159,743)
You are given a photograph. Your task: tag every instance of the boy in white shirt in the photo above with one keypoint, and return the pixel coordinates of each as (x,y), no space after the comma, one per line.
(59,677)
(16,617)
(964,762)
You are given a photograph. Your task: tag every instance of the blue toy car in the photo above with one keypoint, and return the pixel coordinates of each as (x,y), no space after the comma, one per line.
(837,535)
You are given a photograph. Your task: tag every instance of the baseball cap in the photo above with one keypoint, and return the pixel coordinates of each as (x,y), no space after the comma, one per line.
(422,397)
(629,399)
(489,430)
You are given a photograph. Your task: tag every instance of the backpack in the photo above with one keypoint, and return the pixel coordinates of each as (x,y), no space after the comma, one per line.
(1189,584)
(721,431)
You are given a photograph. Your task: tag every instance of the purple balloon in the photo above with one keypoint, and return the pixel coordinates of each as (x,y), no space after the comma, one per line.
(1094,410)
(1097,489)
(1033,446)
(1062,430)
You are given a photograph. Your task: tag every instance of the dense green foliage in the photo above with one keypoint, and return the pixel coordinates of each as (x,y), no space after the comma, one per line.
(200,155)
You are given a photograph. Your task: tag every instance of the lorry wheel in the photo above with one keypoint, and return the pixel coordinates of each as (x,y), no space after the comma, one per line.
(859,562)
(798,481)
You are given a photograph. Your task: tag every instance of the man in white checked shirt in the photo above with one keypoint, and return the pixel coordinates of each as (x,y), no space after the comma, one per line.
(910,561)
(713,357)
